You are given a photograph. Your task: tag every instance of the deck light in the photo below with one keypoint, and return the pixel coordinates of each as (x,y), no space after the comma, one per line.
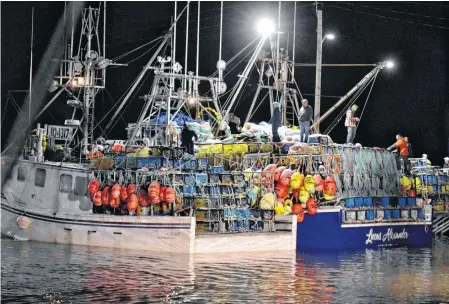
(265,27)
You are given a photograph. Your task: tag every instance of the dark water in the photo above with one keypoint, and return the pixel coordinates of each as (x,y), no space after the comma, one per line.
(49,273)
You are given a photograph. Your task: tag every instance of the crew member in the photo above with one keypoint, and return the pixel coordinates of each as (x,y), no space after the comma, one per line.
(402,145)
(276,122)
(187,139)
(305,117)
(446,163)
(351,123)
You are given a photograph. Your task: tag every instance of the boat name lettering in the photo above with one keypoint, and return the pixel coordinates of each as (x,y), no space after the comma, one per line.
(59,132)
(389,236)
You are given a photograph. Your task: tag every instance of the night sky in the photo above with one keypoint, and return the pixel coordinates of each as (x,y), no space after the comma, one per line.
(412,99)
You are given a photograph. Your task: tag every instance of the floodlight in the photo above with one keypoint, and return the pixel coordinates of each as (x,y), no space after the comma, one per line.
(330,36)
(389,64)
(265,27)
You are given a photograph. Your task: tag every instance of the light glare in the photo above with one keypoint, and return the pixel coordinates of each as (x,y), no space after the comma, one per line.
(330,36)
(265,27)
(389,64)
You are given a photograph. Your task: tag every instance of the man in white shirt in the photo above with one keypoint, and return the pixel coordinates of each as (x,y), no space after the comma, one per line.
(351,123)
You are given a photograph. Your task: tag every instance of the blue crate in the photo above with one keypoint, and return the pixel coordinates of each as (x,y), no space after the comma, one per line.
(370,215)
(358,202)
(367,201)
(385,201)
(387,214)
(411,201)
(120,162)
(201,179)
(189,190)
(184,164)
(396,214)
(189,180)
(154,162)
(403,201)
(202,163)
(349,203)
(217,169)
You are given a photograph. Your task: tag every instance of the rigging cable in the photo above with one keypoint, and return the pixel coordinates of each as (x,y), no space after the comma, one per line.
(367,97)
(390,18)
(346,107)
(350,103)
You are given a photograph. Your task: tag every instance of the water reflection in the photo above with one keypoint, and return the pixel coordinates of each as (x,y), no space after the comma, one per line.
(48,273)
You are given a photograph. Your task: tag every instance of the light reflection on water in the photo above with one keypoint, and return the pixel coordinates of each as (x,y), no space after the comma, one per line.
(49,273)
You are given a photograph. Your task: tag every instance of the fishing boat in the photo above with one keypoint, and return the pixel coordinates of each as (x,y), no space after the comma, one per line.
(69,197)
(237,192)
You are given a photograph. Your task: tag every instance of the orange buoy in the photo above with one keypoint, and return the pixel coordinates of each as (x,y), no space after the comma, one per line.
(115,192)
(162,191)
(116,148)
(131,189)
(95,154)
(132,202)
(114,202)
(411,193)
(96,198)
(143,198)
(299,212)
(105,195)
(268,172)
(281,191)
(330,187)
(170,195)
(285,177)
(155,200)
(123,194)
(278,172)
(318,183)
(153,190)
(312,207)
(93,187)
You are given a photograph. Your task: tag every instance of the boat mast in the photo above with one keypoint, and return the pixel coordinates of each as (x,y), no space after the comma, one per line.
(319,51)
(89,92)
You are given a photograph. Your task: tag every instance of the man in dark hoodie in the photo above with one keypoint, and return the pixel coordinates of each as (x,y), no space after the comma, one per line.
(187,139)
(305,117)
(276,122)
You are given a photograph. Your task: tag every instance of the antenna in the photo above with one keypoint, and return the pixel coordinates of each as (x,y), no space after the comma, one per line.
(187,47)
(31,63)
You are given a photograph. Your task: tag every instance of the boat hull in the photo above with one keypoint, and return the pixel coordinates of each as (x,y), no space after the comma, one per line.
(148,233)
(326,231)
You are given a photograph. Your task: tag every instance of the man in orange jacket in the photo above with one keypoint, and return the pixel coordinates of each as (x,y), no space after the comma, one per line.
(401,145)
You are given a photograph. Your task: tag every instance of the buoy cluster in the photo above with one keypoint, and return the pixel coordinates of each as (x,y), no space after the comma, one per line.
(135,198)
(289,191)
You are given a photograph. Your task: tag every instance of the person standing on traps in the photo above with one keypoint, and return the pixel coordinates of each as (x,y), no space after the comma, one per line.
(351,123)
(187,136)
(305,117)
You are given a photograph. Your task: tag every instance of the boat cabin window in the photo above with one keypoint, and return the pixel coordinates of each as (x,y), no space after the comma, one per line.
(39,177)
(21,174)
(80,186)
(65,183)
